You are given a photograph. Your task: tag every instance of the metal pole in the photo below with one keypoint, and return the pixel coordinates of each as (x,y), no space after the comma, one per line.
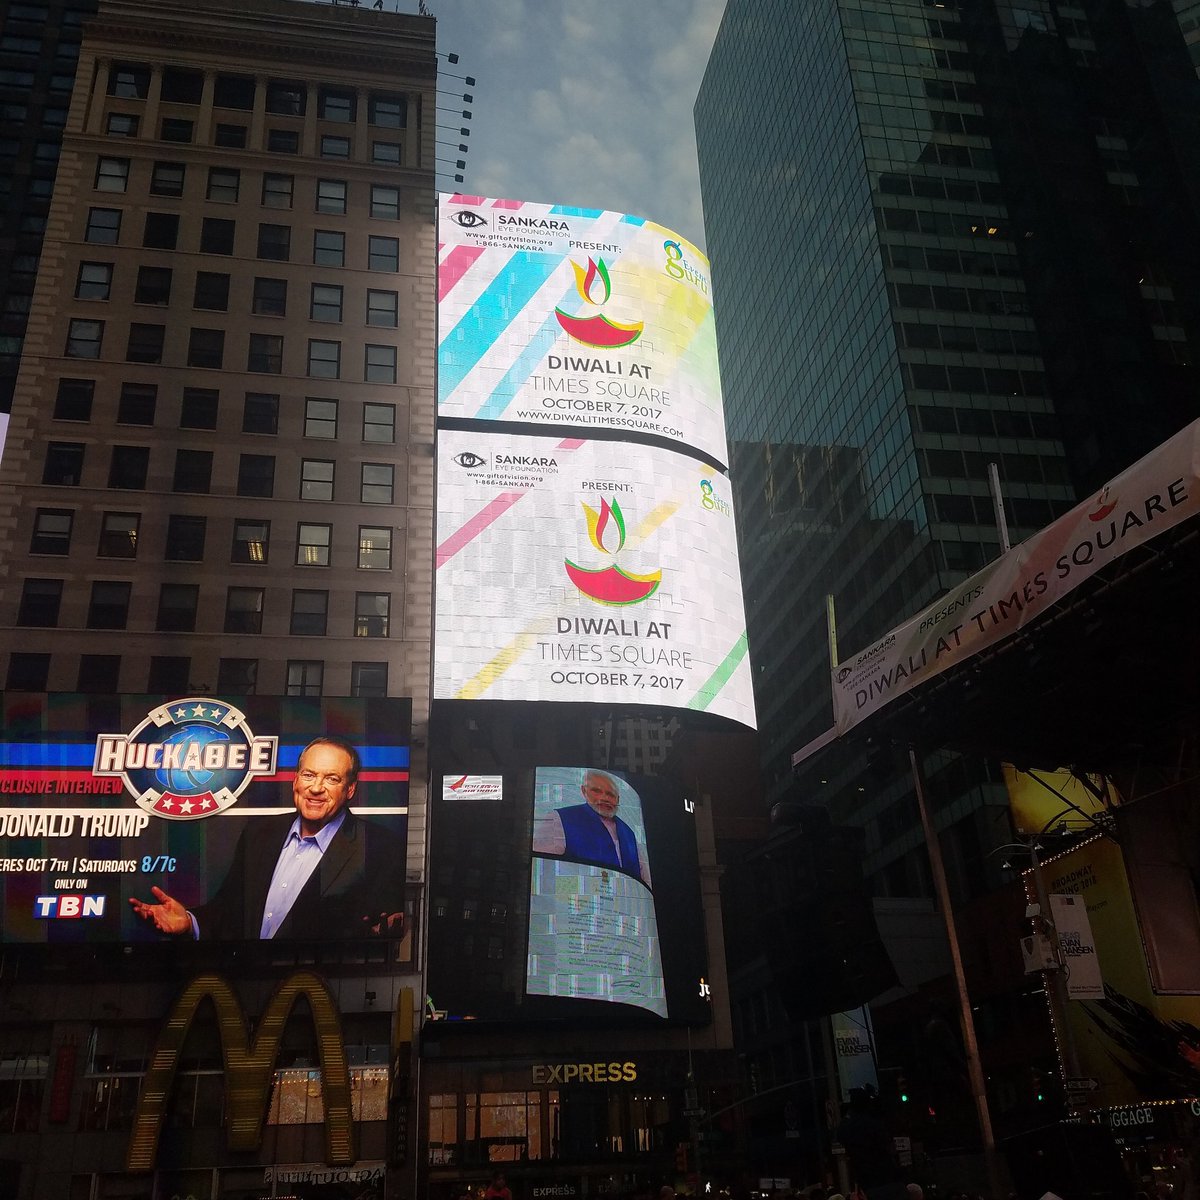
(998,507)
(974,1066)
(1057,977)
(831,629)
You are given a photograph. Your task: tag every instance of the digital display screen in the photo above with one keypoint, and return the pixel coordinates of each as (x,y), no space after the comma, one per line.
(160,818)
(559,316)
(579,570)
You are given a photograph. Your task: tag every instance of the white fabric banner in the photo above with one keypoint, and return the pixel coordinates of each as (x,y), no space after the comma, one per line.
(1070,917)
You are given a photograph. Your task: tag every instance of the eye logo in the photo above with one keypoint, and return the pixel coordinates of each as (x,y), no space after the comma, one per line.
(610,585)
(595,288)
(467,219)
(469,459)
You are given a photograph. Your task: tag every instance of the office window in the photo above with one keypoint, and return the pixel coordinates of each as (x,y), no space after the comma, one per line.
(51,531)
(274,242)
(193,471)
(166,179)
(270,297)
(176,129)
(382,308)
(380,364)
(265,356)
(304,677)
(326,302)
(145,343)
(377,483)
(128,466)
(387,110)
(103,226)
(251,541)
(260,412)
(387,154)
(177,603)
(316,479)
(324,359)
(137,404)
(73,400)
(40,602)
(371,614)
(199,408)
(112,174)
(379,423)
(84,338)
(169,673)
(385,202)
(331,196)
(118,535)
(161,231)
(335,147)
(283,141)
(232,137)
(206,348)
(27,672)
(185,538)
(368,679)
(286,96)
(336,104)
(309,613)
(99,674)
(94,281)
(237,676)
(312,545)
(216,235)
(244,610)
(64,464)
(122,125)
(374,548)
(224,183)
(129,81)
(153,286)
(256,475)
(212,291)
(320,418)
(234,91)
(329,248)
(180,86)
(108,607)
(383,253)
(277,191)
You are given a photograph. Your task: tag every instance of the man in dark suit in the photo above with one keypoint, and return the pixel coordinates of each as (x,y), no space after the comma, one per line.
(320,874)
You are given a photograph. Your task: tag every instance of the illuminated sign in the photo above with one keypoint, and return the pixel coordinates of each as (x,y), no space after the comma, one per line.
(472,787)
(585,1072)
(578,570)
(570,317)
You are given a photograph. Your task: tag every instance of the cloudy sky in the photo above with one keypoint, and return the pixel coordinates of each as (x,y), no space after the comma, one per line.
(579,103)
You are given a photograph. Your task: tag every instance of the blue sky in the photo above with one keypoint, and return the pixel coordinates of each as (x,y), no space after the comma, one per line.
(578,103)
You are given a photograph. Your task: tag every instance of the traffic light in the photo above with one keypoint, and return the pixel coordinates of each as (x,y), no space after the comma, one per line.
(902,1088)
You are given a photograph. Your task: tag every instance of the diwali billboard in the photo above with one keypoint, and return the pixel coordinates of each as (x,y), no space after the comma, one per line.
(201,818)
(565,317)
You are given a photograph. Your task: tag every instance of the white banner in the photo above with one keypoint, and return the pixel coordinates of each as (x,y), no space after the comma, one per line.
(852,1040)
(1157,493)
(1070,917)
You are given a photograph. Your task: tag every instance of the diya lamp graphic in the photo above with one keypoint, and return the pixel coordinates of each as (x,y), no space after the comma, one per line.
(595,288)
(610,585)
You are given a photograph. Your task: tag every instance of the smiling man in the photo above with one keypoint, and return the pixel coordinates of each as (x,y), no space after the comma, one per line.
(319,874)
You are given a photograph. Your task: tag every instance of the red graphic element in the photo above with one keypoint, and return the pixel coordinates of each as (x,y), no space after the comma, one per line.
(599,331)
(611,585)
(458,783)
(1104,509)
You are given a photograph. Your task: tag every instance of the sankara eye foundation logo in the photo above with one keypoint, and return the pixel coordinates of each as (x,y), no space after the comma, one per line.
(610,585)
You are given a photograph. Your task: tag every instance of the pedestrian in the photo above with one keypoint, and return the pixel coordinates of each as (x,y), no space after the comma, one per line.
(498,1189)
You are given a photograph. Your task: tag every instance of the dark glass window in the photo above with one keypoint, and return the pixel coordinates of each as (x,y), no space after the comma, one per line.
(383,308)
(94,281)
(371,611)
(387,110)
(185,538)
(177,603)
(176,129)
(216,236)
(260,413)
(27,672)
(309,613)
(270,297)
(368,679)
(167,178)
(379,423)
(224,184)
(73,402)
(232,137)
(312,545)
(64,464)
(84,339)
(193,471)
(304,677)
(128,466)
(320,418)
(51,531)
(237,676)
(274,242)
(153,285)
(108,607)
(283,141)
(331,196)
(129,81)
(40,602)
(180,86)
(169,673)
(385,202)
(137,404)
(199,408)
(377,483)
(335,104)
(251,541)
(103,226)
(286,96)
(335,147)
(265,355)
(277,191)
(161,231)
(326,303)
(324,359)
(122,125)
(99,674)
(374,548)
(234,91)
(145,343)
(112,174)
(379,364)
(244,610)
(206,348)
(212,291)
(119,535)
(387,154)
(256,475)
(316,479)
(383,253)
(329,248)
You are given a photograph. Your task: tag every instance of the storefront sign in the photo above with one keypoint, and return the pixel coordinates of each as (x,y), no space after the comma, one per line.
(585,1072)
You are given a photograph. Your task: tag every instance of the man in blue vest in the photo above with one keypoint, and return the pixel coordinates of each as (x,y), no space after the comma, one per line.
(592,832)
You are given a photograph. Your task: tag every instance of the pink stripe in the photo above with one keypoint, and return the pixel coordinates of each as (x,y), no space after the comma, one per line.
(459,198)
(455,265)
(570,443)
(492,511)
(507,203)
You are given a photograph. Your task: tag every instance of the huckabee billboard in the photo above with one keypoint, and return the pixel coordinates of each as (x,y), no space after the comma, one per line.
(141,818)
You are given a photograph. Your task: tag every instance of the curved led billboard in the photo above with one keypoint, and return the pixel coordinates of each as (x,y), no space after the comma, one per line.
(570,317)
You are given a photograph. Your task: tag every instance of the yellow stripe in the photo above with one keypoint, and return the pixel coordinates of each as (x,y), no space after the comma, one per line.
(491,671)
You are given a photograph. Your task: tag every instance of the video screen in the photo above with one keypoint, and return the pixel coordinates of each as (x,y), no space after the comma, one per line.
(202,818)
